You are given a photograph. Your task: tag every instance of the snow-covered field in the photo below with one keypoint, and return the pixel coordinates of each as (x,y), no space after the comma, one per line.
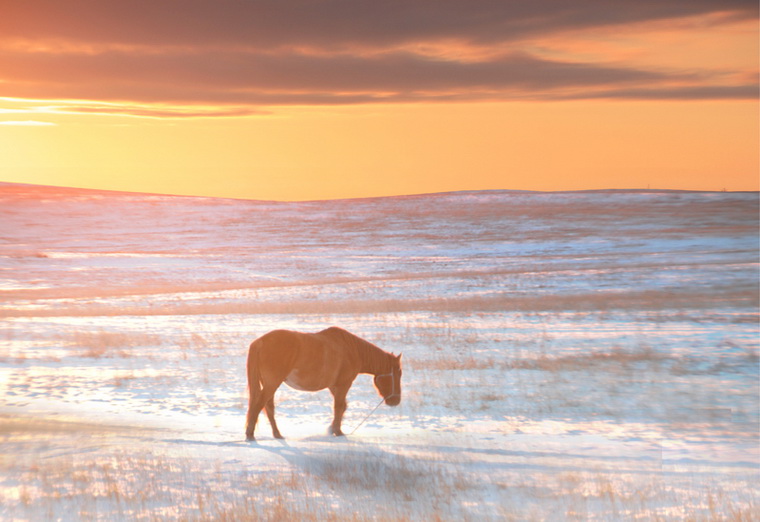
(587,355)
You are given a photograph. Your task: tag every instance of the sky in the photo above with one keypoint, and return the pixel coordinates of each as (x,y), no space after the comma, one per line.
(299,100)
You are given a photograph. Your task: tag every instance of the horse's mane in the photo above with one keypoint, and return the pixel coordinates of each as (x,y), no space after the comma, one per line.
(374,359)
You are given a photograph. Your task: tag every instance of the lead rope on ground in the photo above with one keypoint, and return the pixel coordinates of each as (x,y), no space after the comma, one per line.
(367,417)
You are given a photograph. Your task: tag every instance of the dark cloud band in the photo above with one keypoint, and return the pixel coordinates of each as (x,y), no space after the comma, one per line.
(327,23)
(240,55)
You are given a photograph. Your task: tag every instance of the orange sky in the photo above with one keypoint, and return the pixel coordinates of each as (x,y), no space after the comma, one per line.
(304,100)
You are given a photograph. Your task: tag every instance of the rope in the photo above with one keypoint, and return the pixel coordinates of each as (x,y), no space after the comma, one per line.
(368,415)
(393,384)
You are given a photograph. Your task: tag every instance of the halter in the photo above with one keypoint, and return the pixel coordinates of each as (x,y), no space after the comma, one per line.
(393,385)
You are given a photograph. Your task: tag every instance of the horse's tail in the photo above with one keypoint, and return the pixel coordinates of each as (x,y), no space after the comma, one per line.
(253,370)
(254,387)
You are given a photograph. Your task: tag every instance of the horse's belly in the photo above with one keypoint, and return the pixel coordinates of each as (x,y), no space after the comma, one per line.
(298,382)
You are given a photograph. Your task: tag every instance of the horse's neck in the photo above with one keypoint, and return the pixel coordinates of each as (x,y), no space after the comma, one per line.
(374,360)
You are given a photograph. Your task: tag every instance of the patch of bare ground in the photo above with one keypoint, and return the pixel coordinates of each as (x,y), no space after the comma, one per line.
(728,296)
(594,263)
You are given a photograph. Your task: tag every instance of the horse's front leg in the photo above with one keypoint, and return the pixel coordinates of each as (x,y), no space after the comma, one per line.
(339,394)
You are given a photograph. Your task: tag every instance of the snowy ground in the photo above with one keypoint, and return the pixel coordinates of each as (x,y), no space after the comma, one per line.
(567,356)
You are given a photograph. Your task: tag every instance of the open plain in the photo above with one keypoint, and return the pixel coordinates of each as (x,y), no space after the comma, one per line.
(578,355)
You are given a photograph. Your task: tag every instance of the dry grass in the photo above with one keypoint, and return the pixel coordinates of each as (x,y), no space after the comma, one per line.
(124,485)
(453,363)
(96,478)
(617,357)
(100,343)
(401,477)
(121,485)
(544,362)
(80,471)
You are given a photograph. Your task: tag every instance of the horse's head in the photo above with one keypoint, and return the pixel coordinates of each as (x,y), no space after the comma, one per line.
(388,385)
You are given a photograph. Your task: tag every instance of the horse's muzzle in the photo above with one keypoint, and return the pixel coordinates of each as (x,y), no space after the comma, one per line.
(393,401)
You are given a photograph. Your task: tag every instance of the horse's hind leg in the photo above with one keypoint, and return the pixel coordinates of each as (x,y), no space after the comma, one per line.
(255,405)
(270,413)
(253,414)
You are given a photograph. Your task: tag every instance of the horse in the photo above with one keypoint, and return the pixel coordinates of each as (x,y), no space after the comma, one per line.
(329,359)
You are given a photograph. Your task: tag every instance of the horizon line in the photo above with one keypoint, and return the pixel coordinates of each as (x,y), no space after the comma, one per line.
(420,194)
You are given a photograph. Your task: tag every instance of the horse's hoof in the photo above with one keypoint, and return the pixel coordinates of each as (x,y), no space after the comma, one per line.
(278,436)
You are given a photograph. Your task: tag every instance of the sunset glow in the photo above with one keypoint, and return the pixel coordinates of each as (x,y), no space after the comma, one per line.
(305,100)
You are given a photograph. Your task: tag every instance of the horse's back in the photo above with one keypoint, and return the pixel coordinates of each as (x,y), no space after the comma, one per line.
(274,338)
(330,340)
(306,361)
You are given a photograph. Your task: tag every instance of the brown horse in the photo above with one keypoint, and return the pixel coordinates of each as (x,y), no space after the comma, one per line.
(330,359)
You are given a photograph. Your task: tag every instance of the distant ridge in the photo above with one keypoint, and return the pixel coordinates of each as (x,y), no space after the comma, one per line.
(29,188)
(51,190)
(581,191)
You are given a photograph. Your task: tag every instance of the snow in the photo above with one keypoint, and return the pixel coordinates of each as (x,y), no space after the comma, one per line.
(586,355)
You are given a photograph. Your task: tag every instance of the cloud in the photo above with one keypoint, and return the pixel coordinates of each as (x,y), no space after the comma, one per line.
(331,23)
(717,92)
(241,77)
(27,123)
(234,57)
(158,111)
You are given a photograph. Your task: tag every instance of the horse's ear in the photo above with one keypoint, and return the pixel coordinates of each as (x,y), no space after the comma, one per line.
(399,357)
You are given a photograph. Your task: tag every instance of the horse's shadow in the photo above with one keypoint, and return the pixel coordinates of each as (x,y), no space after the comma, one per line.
(339,461)
(318,444)
(217,443)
